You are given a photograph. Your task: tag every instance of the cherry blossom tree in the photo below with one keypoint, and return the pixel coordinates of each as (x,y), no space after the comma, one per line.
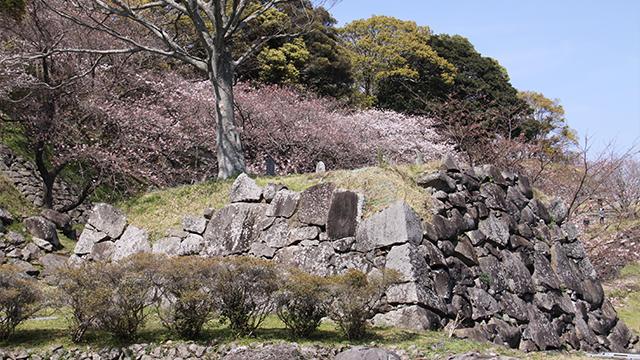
(198,33)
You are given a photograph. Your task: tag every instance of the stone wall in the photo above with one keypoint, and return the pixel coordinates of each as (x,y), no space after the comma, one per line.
(24,175)
(492,263)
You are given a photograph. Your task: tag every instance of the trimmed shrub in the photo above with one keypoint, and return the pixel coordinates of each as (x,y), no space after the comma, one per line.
(131,283)
(302,302)
(355,297)
(246,287)
(20,298)
(82,288)
(188,299)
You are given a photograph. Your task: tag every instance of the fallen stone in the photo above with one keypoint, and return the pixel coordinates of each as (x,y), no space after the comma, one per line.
(62,221)
(133,241)
(413,317)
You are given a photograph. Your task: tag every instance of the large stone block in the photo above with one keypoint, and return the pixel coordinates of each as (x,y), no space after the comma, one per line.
(107,219)
(494,196)
(542,332)
(284,204)
(244,189)
(438,181)
(169,246)
(315,203)
(412,317)
(133,241)
(62,221)
(495,230)
(343,215)
(543,274)
(232,229)
(494,269)
(397,224)
(483,305)
(194,224)
(408,261)
(312,259)
(42,228)
(88,238)
(518,277)
(417,294)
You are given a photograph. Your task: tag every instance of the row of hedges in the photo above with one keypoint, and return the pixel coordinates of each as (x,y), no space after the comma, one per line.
(187,292)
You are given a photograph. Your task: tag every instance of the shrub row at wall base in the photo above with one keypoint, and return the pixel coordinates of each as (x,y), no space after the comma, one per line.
(493,262)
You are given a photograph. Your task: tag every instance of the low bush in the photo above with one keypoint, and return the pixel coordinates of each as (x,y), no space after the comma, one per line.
(246,287)
(302,302)
(188,299)
(82,289)
(20,298)
(131,283)
(355,297)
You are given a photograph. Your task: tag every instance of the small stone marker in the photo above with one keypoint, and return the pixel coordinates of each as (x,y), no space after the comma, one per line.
(271,166)
(320,167)
(419,157)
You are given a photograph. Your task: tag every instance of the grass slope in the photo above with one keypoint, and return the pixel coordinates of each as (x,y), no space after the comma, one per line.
(161,210)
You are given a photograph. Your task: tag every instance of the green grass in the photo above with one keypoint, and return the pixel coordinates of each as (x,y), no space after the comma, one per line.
(624,294)
(160,210)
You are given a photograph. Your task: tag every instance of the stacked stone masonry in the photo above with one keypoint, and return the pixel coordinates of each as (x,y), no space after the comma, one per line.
(24,175)
(491,264)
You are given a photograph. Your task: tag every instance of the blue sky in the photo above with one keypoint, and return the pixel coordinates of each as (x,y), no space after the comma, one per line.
(586,53)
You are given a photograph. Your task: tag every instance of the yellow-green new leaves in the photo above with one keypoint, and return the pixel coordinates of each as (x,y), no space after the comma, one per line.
(379,47)
(281,65)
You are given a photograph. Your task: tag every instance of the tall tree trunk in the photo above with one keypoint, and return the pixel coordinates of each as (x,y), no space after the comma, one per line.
(229,147)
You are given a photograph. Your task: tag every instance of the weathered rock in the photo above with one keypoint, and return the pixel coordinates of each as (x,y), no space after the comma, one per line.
(364,353)
(417,294)
(516,197)
(495,175)
(107,219)
(435,259)
(62,221)
(575,250)
(514,306)
(461,307)
(450,164)
(408,261)
(541,330)
(269,192)
(169,246)
(191,245)
(495,271)
(31,252)
(5,216)
(438,181)
(443,228)
(232,229)
(413,317)
(42,228)
(483,305)
(460,272)
(244,189)
(262,250)
(465,252)
(102,251)
(303,233)
(312,259)
(51,261)
(25,266)
(284,204)
(509,334)
(397,224)
(539,210)
(315,203)
(558,210)
(343,215)
(518,277)
(494,196)
(544,274)
(477,334)
(277,235)
(525,187)
(619,337)
(133,241)
(476,237)
(494,230)
(567,270)
(194,224)
(352,260)
(88,239)
(269,352)
(43,244)
(570,231)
